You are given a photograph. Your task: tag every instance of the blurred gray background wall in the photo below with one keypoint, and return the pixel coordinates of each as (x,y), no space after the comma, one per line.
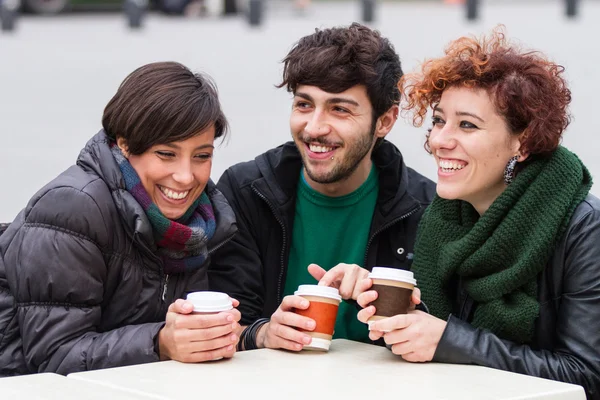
(57,74)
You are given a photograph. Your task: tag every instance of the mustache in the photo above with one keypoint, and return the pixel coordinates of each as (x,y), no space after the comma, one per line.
(319,140)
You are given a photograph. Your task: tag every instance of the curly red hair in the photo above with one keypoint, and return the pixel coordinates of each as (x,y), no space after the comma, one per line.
(527,89)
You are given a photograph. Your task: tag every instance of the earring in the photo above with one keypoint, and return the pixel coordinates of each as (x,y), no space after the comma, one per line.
(509,171)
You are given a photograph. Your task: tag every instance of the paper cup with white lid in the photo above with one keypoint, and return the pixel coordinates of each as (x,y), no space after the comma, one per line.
(210,303)
(394,289)
(323,309)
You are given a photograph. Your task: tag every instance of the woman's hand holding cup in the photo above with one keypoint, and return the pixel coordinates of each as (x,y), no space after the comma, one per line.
(368,296)
(194,334)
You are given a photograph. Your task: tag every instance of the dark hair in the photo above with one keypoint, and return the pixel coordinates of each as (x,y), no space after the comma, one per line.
(337,59)
(526,89)
(161,103)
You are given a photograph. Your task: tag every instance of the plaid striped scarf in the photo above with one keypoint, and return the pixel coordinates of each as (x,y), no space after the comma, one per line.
(182,244)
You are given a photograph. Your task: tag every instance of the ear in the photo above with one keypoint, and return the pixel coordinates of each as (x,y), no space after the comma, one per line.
(122,143)
(386,122)
(520,149)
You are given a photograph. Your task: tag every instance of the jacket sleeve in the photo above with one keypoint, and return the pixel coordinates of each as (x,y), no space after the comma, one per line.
(236,268)
(575,357)
(57,270)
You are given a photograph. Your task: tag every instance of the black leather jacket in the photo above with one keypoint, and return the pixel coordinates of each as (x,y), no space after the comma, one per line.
(566,346)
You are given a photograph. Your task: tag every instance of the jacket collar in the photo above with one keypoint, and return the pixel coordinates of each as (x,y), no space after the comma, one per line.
(97,158)
(280,168)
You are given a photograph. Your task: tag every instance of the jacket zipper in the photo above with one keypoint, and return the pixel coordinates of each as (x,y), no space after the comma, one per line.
(280,279)
(386,226)
(223,243)
(164,293)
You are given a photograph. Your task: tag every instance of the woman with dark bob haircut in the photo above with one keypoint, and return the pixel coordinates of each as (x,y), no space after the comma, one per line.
(507,256)
(93,270)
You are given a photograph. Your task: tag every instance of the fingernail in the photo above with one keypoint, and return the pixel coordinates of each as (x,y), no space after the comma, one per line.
(310,325)
(233,338)
(306,339)
(233,326)
(229,318)
(298,346)
(230,347)
(304,304)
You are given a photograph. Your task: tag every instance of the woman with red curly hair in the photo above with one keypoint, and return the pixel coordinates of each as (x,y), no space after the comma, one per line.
(507,256)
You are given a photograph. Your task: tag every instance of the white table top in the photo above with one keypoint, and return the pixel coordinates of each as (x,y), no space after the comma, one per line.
(49,386)
(350,370)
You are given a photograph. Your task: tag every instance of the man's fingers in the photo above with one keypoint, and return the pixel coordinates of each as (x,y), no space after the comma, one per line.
(332,277)
(347,287)
(294,320)
(316,271)
(291,302)
(281,343)
(235,302)
(287,333)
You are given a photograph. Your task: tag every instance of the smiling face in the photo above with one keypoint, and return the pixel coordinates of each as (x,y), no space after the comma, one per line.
(175,174)
(335,134)
(472,145)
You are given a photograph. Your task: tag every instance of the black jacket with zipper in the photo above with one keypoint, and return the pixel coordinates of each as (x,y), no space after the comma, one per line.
(566,343)
(81,285)
(252,267)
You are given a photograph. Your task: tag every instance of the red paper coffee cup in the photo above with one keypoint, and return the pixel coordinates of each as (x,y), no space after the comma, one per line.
(323,308)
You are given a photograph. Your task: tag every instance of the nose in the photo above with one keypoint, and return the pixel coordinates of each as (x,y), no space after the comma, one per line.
(317,125)
(183,173)
(442,138)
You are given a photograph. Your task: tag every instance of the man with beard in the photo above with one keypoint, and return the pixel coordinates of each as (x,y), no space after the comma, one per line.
(337,198)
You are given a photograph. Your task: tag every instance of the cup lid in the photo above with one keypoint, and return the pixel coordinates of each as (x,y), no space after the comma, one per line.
(210,301)
(393,274)
(316,290)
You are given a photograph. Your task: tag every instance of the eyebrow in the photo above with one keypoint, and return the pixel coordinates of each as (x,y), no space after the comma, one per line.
(334,100)
(176,147)
(461,113)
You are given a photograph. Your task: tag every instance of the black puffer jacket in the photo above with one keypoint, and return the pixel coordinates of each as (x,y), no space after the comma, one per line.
(566,345)
(81,286)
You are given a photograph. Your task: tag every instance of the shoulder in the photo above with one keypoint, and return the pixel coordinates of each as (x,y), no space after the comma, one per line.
(588,211)
(577,254)
(75,201)
(420,187)
(264,165)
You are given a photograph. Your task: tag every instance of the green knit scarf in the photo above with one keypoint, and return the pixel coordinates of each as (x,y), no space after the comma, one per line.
(499,255)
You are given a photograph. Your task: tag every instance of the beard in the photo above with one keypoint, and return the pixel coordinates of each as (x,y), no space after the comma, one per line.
(344,168)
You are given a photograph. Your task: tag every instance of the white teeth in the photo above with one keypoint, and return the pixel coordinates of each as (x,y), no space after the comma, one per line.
(174,195)
(449,165)
(319,149)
